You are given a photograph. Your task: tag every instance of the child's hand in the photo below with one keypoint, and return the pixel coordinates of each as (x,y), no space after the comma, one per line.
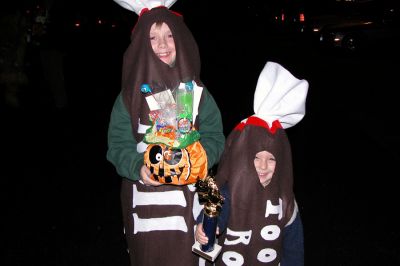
(200,236)
(145,177)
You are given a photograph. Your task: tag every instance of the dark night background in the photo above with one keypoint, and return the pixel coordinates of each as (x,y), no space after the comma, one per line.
(60,196)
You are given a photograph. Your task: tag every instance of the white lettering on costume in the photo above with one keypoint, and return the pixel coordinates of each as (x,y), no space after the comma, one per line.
(242,237)
(158,198)
(274,209)
(266,255)
(140,198)
(142,128)
(191,187)
(197,207)
(202,262)
(141,146)
(270,232)
(159,224)
(232,258)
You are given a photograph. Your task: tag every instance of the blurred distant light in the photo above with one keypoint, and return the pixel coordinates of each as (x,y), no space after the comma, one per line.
(283,17)
(77,24)
(301,17)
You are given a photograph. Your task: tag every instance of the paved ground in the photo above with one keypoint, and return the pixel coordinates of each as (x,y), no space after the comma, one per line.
(60,195)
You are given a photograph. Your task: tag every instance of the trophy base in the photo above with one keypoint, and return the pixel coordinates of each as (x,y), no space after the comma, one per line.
(211,256)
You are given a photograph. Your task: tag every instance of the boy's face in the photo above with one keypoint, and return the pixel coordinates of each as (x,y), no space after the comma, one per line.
(265,166)
(163,43)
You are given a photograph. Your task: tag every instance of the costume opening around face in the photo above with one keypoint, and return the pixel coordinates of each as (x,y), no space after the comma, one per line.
(159,221)
(258,214)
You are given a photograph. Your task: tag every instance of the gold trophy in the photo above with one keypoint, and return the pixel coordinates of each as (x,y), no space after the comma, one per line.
(210,196)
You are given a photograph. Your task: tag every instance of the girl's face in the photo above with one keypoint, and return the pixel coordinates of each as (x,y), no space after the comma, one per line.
(265,166)
(163,43)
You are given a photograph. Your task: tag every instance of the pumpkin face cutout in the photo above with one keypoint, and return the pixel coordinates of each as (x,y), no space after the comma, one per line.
(176,166)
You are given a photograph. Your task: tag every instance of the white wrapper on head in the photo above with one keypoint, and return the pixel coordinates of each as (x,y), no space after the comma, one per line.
(137,5)
(280,96)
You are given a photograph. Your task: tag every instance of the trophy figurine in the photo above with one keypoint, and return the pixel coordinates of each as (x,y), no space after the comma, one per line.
(210,196)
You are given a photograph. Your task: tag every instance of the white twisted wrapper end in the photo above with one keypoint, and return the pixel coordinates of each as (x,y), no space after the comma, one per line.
(137,5)
(280,96)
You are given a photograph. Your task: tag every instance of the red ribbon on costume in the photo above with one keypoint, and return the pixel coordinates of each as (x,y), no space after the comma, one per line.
(256,121)
(144,10)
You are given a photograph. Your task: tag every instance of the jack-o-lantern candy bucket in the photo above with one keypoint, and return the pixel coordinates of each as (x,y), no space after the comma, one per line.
(176,166)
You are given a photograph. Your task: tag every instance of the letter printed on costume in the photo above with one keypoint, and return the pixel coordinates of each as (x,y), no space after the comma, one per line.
(242,237)
(274,209)
(266,255)
(232,258)
(159,224)
(270,232)
(158,198)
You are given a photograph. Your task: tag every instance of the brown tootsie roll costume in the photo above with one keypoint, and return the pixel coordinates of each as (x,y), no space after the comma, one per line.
(159,220)
(259,214)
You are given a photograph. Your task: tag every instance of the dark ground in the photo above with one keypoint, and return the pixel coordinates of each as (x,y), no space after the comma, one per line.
(61,196)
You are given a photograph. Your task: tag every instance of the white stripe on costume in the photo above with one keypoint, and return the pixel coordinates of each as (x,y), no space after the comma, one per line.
(159,224)
(158,198)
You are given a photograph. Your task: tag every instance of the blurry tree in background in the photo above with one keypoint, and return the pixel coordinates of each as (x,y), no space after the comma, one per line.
(13,43)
